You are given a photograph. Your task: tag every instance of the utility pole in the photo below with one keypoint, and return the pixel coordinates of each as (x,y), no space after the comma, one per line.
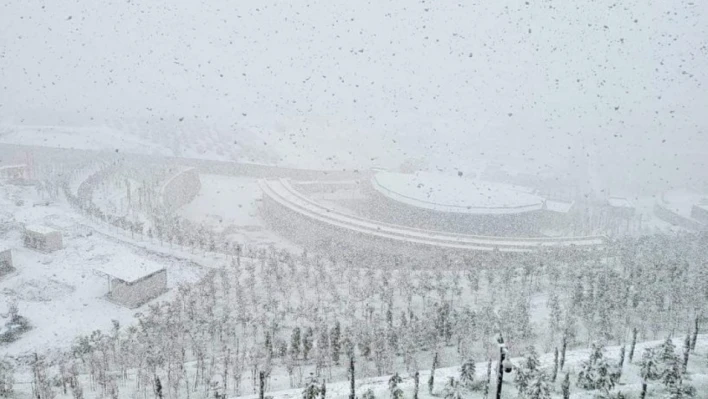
(504,364)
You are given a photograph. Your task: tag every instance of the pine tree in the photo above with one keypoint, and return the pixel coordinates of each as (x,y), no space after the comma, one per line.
(681,391)
(312,389)
(467,373)
(670,366)
(451,390)
(596,372)
(393,389)
(527,370)
(649,368)
(667,351)
(538,387)
(369,394)
(671,374)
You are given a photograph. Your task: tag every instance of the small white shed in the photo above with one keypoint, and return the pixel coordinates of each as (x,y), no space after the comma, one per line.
(13,172)
(43,238)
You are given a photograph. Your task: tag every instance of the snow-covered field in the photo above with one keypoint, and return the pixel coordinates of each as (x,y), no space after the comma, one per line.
(630,382)
(61,293)
(230,205)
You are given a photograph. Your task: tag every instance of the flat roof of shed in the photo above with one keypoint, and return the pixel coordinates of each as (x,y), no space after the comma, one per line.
(129,272)
(40,229)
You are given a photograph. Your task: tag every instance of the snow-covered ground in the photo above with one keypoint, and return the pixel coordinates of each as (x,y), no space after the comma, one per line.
(630,382)
(230,205)
(60,293)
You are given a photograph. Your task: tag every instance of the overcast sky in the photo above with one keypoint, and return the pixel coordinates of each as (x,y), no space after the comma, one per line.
(450,81)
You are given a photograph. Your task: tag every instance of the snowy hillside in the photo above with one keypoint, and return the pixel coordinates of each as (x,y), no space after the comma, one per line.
(81,138)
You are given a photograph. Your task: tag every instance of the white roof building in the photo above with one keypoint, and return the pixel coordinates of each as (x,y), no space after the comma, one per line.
(443,193)
(134,284)
(43,238)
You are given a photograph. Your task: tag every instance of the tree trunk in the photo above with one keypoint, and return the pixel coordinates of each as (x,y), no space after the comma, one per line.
(352,386)
(686,351)
(634,343)
(563,349)
(416,379)
(555,365)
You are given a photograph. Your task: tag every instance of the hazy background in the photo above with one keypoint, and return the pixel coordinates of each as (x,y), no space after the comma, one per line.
(610,92)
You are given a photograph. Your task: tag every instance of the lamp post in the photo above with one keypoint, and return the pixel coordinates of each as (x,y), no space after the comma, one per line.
(505,365)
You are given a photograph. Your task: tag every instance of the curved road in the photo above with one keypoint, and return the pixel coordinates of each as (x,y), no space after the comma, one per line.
(281,192)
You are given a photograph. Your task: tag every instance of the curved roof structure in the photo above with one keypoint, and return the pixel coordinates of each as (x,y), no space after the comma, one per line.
(445,193)
(282,193)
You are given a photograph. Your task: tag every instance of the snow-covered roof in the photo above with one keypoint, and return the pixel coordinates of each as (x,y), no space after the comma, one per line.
(129,272)
(620,202)
(446,193)
(18,166)
(39,229)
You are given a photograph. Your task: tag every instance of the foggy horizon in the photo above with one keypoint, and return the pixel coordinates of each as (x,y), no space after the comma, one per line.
(304,84)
